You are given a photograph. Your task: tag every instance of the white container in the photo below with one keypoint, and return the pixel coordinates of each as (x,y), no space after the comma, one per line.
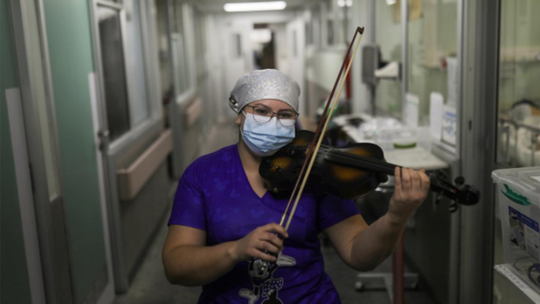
(518,197)
(404,138)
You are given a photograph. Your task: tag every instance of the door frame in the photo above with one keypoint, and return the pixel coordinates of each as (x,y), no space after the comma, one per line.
(479,87)
(296,28)
(130,142)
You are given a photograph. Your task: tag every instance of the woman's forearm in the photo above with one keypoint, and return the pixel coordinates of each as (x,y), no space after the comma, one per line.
(373,245)
(190,265)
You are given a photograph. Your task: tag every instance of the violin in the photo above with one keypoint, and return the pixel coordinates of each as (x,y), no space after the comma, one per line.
(351,171)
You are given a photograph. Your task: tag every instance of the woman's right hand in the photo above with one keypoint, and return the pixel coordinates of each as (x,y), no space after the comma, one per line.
(260,243)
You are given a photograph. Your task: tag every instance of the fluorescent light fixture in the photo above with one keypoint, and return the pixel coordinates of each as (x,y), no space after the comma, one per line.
(255,6)
(347,3)
(390,2)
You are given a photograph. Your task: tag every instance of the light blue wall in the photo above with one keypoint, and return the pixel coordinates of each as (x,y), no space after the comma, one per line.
(14,284)
(70,49)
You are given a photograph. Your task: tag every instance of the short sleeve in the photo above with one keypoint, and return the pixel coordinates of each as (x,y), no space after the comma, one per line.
(333,210)
(188,207)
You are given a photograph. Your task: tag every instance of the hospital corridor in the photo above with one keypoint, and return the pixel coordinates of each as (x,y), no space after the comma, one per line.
(261,151)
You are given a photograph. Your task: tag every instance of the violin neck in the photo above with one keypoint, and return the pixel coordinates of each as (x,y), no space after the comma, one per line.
(379,166)
(361,162)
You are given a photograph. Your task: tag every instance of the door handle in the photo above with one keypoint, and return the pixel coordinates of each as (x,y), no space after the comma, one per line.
(103,133)
(103,138)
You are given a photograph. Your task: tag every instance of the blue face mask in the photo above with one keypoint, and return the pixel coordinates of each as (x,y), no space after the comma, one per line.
(266,138)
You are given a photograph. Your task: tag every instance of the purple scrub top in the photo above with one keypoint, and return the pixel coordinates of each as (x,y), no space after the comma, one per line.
(214,195)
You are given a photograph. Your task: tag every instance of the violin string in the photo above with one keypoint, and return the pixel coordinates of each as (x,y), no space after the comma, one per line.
(436,184)
(316,149)
(368,163)
(309,152)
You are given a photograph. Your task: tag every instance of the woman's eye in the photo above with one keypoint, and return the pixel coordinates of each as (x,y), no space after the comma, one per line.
(262,111)
(286,115)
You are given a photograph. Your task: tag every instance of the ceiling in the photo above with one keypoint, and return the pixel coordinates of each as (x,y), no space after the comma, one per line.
(216,6)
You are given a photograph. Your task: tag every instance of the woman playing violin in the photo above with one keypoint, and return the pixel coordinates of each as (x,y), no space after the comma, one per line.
(223,224)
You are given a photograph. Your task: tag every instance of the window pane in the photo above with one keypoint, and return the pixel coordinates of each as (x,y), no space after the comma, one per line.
(432,53)
(114,76)
(136,79)
(519,93)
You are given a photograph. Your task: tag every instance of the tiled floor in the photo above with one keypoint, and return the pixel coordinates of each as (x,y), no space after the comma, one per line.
(151,287)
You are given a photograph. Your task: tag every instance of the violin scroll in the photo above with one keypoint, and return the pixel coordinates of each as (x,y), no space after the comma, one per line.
(460,193)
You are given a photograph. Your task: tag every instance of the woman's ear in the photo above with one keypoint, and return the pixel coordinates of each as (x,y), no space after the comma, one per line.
(239,119)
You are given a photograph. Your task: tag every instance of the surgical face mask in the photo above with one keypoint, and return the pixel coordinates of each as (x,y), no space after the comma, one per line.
(266,138)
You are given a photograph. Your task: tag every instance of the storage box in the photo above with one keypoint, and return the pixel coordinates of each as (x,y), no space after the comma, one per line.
(518,197)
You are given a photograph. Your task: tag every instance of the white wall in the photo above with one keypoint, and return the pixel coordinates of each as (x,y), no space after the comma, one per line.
(228,72)
(215,68)
(295,46)
(362,17)
(323,65)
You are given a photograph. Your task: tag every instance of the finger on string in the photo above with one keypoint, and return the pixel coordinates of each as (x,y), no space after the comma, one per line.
(397,180)
(415,179)
(406,179)
(425,179)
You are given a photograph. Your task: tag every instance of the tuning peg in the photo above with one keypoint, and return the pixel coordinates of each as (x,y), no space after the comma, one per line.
(269,163)
(460,180)
(453,207)
(442,175)
(438,199)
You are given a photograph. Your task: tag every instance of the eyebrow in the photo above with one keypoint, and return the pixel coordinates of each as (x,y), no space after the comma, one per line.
(280,110)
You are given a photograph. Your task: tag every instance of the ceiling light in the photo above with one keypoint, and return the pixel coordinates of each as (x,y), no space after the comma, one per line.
(255,6)
(390,2)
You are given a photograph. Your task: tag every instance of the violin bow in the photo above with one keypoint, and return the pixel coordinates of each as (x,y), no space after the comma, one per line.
(313,148)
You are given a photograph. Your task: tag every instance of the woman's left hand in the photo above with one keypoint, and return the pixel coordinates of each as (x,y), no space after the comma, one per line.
(411,189)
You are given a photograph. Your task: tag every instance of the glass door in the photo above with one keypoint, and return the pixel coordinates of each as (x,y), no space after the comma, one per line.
(517,142)
(518,108)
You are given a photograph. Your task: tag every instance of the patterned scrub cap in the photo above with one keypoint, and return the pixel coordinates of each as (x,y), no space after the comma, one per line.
(264,84)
